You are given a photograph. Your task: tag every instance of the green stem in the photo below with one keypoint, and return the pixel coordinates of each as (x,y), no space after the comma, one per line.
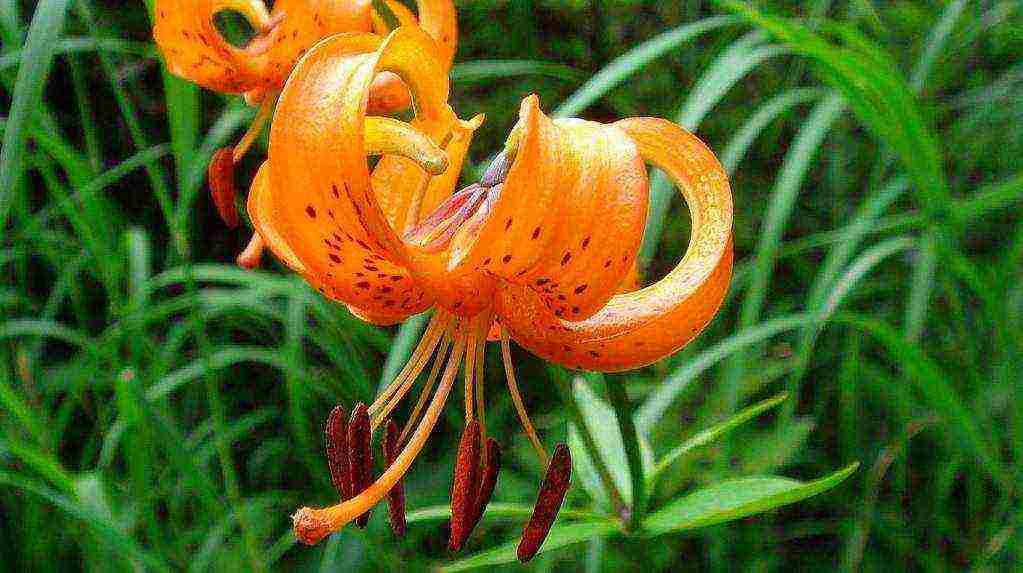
(630,436)
(565,388)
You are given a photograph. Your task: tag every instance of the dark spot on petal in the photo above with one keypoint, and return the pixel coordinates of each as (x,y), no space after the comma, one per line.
(311,211)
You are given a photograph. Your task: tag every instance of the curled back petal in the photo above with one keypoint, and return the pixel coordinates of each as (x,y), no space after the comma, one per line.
(300,24)
(570,218)
(638,328)
(194,49)
(323,202)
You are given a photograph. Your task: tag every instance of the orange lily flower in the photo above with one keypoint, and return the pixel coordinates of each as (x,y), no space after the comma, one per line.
(195,49)
(539,248)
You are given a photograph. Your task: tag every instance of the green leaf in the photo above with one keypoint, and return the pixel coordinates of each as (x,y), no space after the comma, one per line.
(680,379)
(734,499)
(716,431)
(47,23)
(764,451)
(561,535)
(603,425)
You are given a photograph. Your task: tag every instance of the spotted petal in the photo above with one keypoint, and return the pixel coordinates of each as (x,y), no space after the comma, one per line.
(638,328)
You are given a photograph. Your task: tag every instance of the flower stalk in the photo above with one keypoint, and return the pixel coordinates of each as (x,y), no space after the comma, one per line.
(561,381)
(630,437)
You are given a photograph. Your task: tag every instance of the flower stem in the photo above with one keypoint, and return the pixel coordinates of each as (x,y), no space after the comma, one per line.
(630,436)
(565,388)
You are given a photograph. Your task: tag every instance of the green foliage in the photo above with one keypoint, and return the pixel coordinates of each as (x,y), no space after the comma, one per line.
(160,408)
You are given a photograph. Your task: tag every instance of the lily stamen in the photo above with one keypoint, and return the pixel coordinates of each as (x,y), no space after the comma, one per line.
(311,525)
(424,394)
(437,327)
(520,406)
(396,497)
(263,116)
(408,376)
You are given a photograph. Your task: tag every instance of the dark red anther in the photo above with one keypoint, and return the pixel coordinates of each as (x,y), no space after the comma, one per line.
(488,481)
(548,503)
(360,456)
(395,497)
(222,189)
(336,438)
(465,487)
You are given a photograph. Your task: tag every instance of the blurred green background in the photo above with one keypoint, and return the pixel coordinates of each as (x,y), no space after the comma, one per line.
(161,408)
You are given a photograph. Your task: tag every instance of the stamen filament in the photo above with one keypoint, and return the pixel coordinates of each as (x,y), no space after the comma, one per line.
(312,525)
(438,361)
(406,385)
(438,325)
(520,407)
(482,329)
(255,128)
(470,371)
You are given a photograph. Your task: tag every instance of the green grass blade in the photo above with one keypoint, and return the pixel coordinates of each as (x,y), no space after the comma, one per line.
(936,388)
(478,71)
(633,61)
(47,24)
(768,112)
(678,381)
(714,432)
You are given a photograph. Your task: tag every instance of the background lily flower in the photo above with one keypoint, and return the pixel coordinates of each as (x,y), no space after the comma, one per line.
(195,49)
(541,245)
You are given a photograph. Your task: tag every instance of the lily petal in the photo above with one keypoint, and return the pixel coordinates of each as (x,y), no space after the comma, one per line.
(570,218)
(330,216)
(638,328)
